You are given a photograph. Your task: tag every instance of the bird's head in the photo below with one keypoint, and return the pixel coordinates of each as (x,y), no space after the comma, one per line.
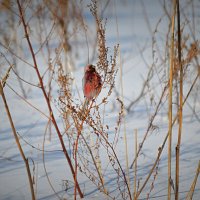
(90,68)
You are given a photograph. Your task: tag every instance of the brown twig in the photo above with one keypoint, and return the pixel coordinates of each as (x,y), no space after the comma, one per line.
(135,167)
(79,130)
(180,114)
(160,149)
(150,123)
(170,97)
(192,188)
(18,142)
(47,98)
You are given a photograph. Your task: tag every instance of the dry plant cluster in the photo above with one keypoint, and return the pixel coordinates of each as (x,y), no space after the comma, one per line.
(35,30)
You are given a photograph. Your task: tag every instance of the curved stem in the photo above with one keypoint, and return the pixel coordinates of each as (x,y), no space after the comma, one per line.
(47,98)
(17,142)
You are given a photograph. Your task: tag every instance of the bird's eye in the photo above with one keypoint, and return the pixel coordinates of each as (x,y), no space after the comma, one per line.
(91,69)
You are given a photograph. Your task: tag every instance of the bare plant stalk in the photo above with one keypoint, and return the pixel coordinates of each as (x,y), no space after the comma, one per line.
(79,128)
(122,95)
(192,188)
(180,113)
(170,98)
(79,131)
(116,159)
(76,162)
(151,122)
(160,149)
(17,142)
(96,166)
(135,167)
(47,98)
(44,163)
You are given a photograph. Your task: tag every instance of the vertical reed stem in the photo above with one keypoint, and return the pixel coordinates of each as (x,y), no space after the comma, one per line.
(180,114)
(135,167)
(122,95)
(170,97)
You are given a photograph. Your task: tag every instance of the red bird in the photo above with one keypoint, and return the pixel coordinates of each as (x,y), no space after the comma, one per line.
(92,83)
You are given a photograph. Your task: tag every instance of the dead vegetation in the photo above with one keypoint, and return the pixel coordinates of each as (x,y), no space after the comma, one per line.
(46,33)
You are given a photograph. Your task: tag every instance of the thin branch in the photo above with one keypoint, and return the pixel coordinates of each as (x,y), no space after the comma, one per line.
(160,149)
(28,102)
(14,54)
(151,123)
(135,167)
(18,142)
(46,98)
(180,114)
(192,188)
(170,98)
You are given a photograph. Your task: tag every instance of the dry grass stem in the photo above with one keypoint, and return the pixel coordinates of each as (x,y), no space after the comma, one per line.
(17,139)
(135,167)
(170,98)
(192,188)
(44,46)
(46,97)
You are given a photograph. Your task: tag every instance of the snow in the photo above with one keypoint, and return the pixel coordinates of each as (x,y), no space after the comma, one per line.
(127,25)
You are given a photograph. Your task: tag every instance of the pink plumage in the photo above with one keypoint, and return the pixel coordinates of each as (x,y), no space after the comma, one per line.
(92,83)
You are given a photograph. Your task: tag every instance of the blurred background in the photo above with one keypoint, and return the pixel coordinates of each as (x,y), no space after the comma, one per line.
(64,38)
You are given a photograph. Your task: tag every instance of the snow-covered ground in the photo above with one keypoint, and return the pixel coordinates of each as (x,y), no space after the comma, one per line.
(131,24)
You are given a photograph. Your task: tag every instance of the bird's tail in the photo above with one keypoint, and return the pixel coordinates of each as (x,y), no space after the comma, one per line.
(85,105)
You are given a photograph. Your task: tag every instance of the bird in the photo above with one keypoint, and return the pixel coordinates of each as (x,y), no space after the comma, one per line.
(92,84)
